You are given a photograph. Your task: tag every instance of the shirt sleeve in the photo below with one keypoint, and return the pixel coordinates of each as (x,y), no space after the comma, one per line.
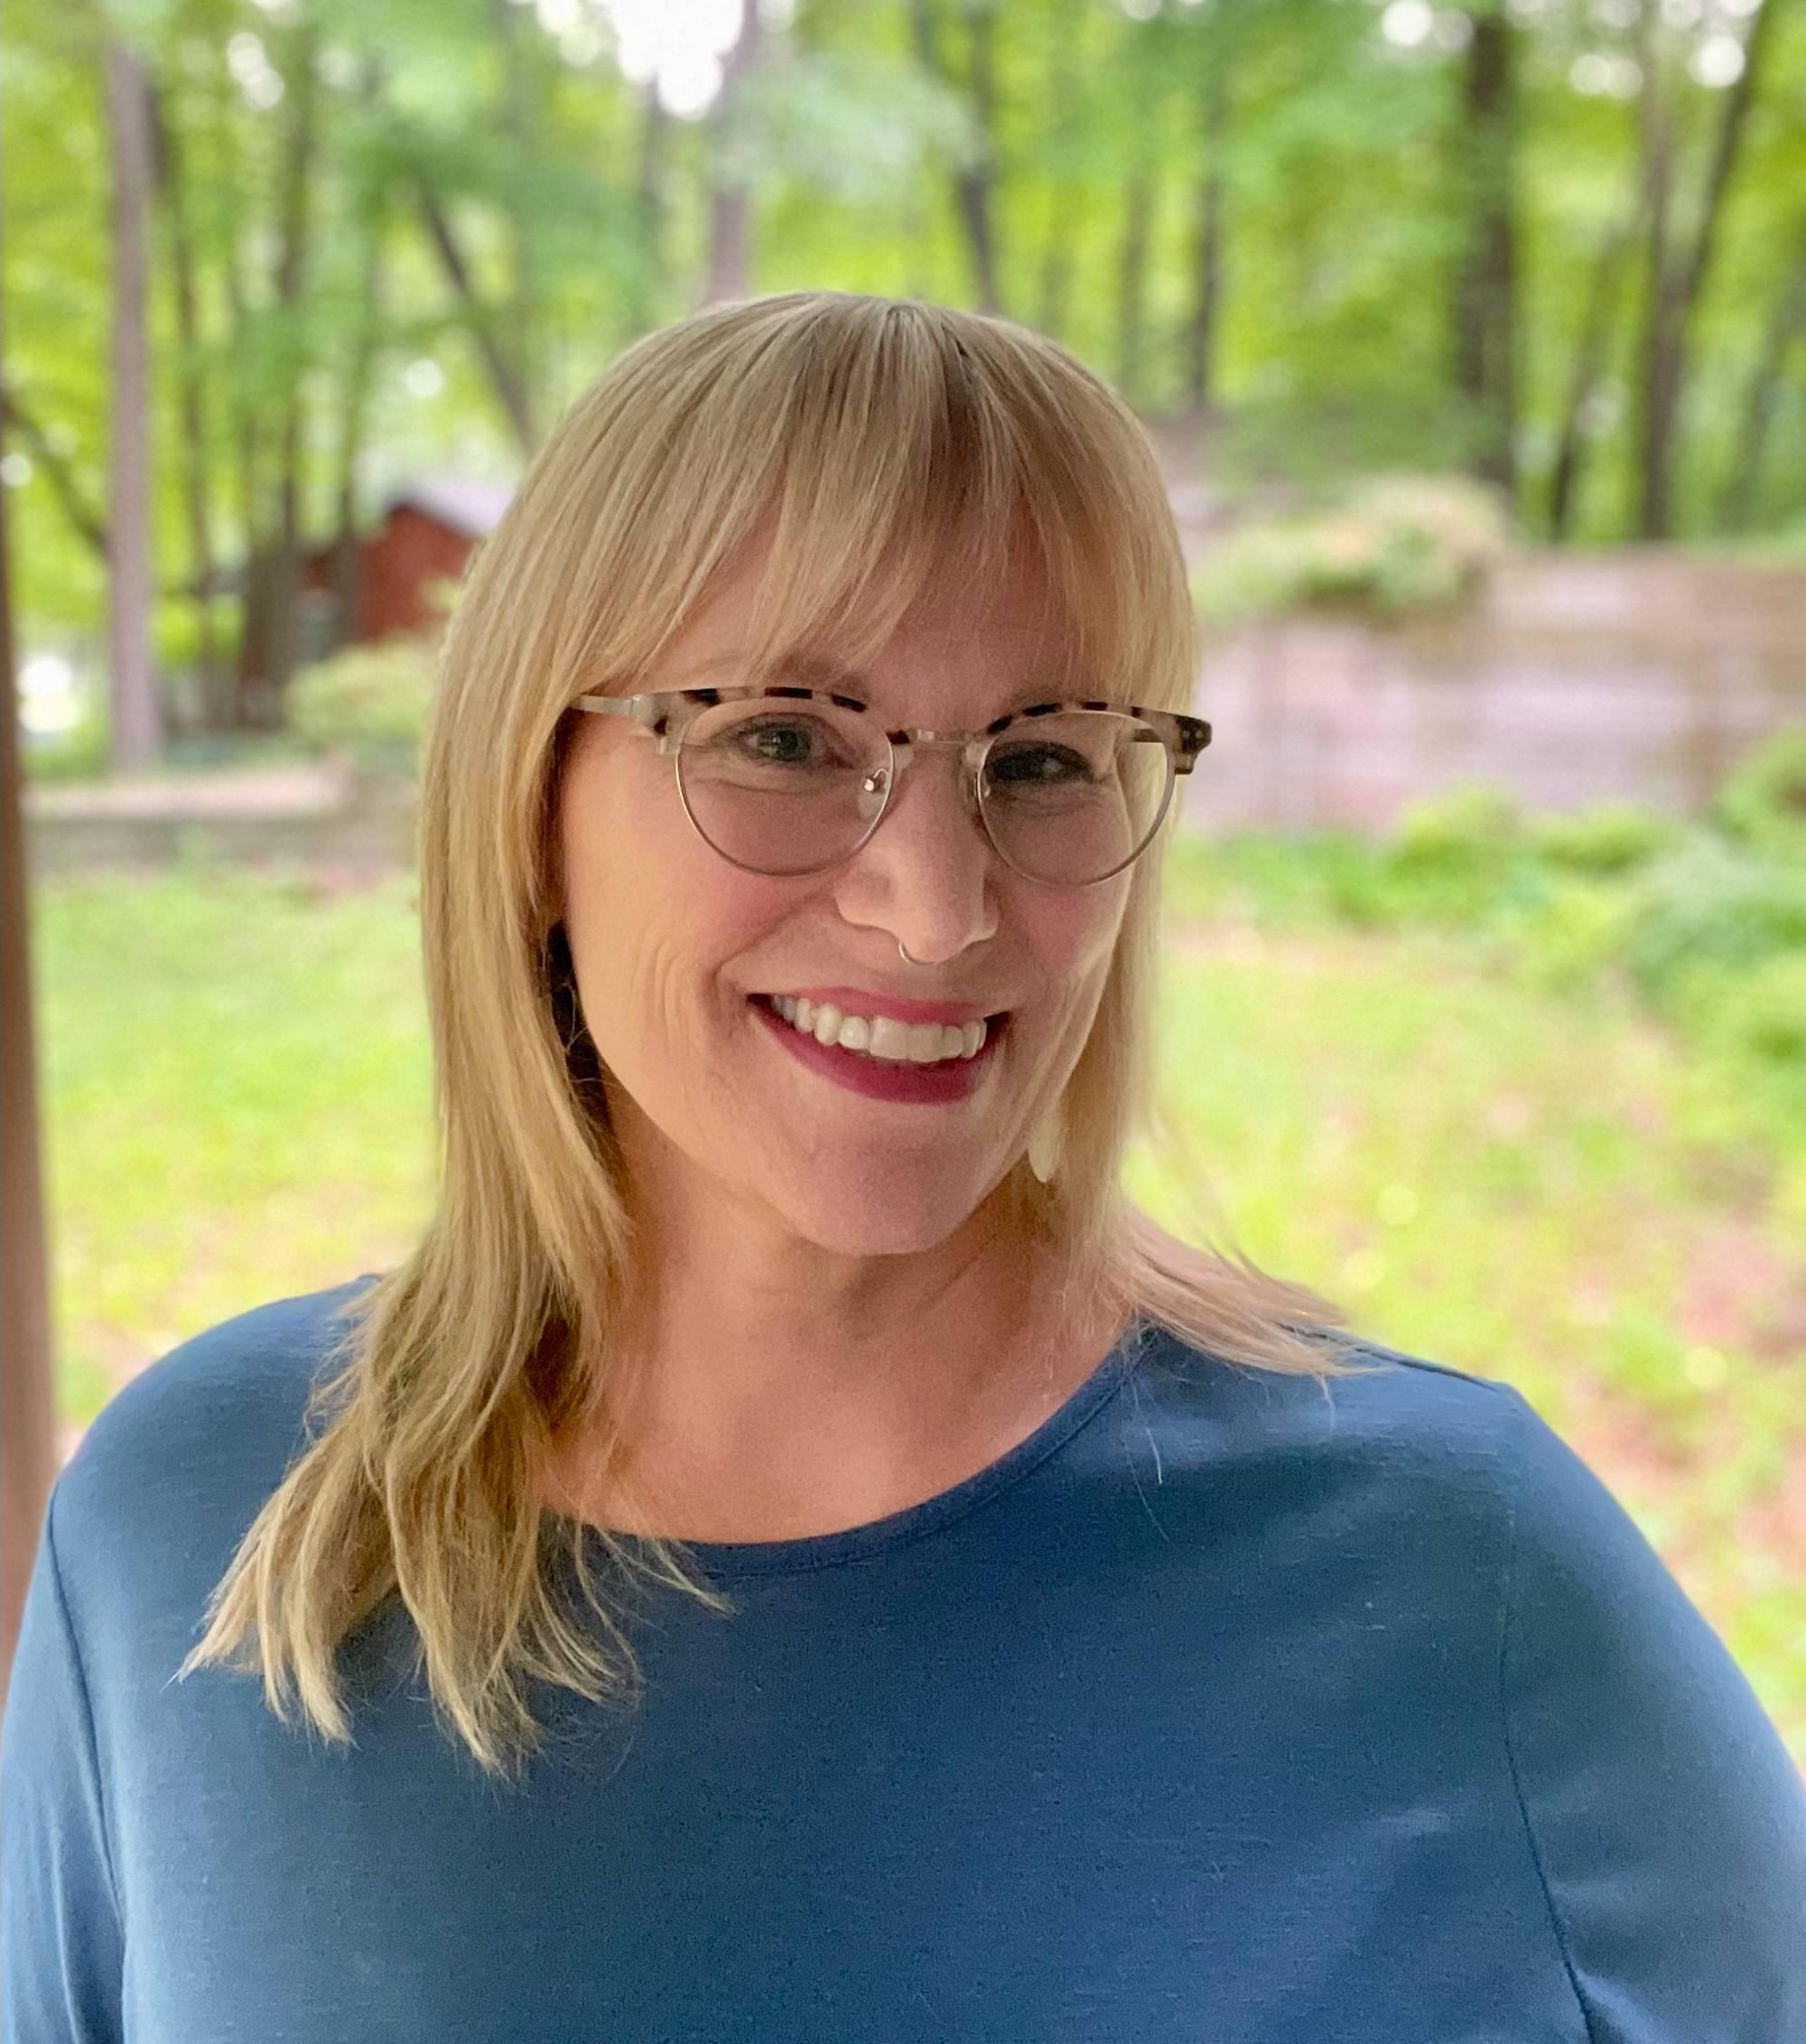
(62,1941)
(1666,1816)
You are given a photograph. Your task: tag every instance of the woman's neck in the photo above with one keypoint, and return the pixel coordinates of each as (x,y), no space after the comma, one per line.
(754,1404)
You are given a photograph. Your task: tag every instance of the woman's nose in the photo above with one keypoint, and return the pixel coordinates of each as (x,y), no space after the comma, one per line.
(926,874)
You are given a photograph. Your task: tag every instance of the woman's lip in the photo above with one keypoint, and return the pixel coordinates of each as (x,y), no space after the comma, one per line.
(947,1080)
(862,1001)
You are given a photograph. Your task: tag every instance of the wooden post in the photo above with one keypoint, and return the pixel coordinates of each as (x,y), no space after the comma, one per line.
(27,1408)
(135,732)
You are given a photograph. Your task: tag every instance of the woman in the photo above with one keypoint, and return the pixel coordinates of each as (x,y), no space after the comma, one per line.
(791,1554)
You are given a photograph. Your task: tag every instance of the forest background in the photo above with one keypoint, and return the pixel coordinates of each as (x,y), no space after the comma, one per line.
(264,259)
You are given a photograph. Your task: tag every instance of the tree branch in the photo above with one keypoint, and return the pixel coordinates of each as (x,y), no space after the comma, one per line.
(76,506)
(504,375)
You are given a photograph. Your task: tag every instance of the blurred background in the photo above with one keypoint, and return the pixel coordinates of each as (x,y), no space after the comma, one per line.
(1472,339)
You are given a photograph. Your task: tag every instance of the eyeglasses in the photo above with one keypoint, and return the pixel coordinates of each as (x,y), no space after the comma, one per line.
(785,779)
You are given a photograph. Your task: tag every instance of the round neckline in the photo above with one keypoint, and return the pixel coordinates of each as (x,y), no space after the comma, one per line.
(913,1522)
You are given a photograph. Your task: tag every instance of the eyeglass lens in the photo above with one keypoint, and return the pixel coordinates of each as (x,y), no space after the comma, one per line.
(780,788)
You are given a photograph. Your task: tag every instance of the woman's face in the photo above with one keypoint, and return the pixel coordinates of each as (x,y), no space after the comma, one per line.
(678,955)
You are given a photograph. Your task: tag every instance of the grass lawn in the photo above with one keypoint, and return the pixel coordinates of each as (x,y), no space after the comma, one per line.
(237,1099)
(1525,1185)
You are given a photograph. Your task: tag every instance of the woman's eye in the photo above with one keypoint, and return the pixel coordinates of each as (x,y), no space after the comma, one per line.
(1038,765)
(787,742)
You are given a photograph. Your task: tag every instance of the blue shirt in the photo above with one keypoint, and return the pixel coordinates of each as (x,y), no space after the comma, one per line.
(1217,1709)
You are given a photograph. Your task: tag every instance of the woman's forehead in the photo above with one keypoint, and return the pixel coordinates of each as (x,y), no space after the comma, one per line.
(1011,621)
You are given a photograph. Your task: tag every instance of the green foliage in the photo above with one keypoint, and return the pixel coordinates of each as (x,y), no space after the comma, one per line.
(368,703)
(1705,930)
(1763,800)
(848,126)
(1391,547)
(574,212)
(1456,858)
(79,753)
(1307,430)
(1755,1011)
(1606,840)
(1456,861)
(1709,900)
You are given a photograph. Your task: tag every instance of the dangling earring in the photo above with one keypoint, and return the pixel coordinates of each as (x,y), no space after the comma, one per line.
(1045,1145)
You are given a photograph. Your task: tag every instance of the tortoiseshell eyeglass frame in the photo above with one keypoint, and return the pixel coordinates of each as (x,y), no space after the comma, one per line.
(1183,737)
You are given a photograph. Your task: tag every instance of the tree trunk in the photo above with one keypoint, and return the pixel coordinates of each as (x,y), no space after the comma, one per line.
(28,1446)
(1201,330)
(271,643)
(1786,328)
(977,182)
(348,590)
(1054,293)
(730,271)
(348,558)
(217,690)
(1589,362)
(1486,296)
(973,183)
(249,458)
(651,277)
(1677,277)
(1658,366)
(520,128)
(283,645)
(1131,286)
(136,713)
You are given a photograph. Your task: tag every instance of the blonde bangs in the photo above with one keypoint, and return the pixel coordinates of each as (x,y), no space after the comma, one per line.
(919,459)
(875,451)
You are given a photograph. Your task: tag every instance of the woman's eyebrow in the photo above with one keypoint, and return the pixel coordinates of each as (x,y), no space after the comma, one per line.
(818,671)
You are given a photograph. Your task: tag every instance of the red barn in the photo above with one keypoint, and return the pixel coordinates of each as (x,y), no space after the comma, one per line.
(429,527)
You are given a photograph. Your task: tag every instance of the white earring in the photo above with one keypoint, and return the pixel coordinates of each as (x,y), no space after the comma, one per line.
(1045,1147)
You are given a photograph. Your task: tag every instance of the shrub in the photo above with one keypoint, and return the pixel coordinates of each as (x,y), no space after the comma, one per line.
(1762,801)
(1756,1011)
(1709,900)
(80,754)
(1747,1024)
(368,703)
(1459,858)
(1576,938)
(1609,839)
(1393,547)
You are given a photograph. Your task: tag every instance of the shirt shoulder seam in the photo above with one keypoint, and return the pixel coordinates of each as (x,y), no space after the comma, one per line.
(1507,1612)
(90,1741)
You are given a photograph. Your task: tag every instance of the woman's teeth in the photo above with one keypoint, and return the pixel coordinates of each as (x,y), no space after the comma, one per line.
(879,1036)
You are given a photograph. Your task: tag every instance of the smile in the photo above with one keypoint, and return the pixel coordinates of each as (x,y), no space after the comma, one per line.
(881,1037)
(899,1061)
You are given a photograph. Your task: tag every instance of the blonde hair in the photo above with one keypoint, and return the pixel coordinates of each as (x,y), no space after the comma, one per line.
(875,442)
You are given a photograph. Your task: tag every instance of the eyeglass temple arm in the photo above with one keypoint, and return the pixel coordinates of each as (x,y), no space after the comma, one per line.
(642,709)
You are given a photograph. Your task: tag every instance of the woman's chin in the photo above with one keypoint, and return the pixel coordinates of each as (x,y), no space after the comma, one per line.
(892,1219)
